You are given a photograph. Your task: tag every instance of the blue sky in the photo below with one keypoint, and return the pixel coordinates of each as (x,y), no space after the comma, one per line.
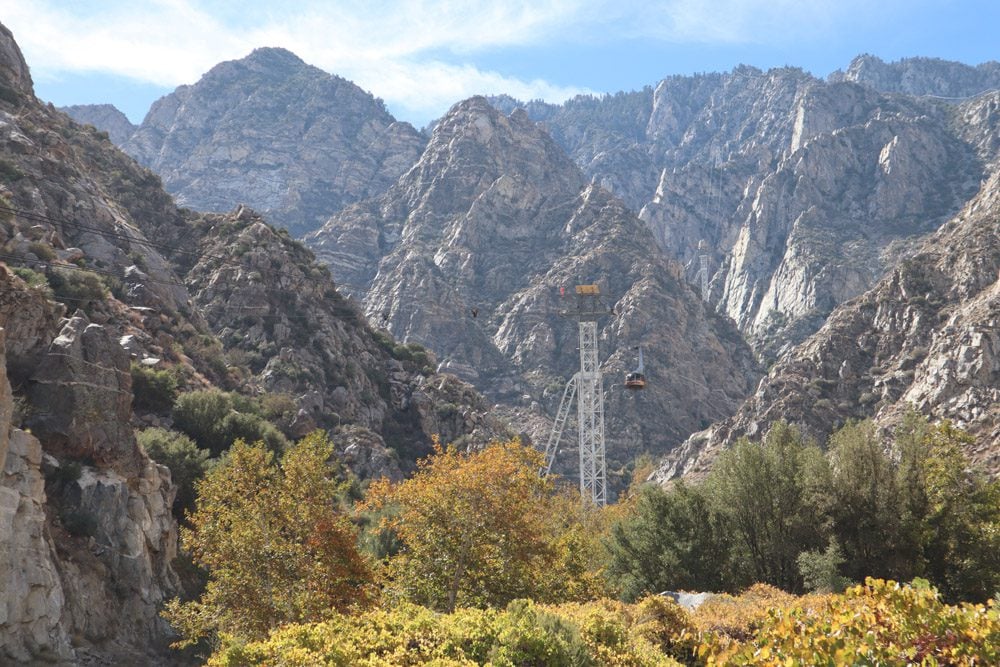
(421,57)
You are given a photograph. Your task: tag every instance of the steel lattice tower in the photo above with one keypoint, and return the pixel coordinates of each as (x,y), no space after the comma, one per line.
(588,388)
(590,418)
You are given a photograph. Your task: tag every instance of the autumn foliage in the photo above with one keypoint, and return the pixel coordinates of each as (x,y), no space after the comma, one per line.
(276,547)
(483,528)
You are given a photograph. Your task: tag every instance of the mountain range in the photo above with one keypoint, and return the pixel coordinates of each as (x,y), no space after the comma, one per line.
(850,227)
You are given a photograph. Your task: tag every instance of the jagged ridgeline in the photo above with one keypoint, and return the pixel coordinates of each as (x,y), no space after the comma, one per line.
(806,191)
(467,254)
(107,290)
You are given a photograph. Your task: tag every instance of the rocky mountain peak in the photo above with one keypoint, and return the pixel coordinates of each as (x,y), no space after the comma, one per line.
(467,253)
(922,76)
(105,117)
(270,131)
(273,58)
(14,71)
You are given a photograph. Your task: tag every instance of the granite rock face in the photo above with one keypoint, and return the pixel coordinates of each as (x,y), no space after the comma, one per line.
(33,619)
(81,393)
(927,336)
(13,69)
(805,192)
(922,76)
(467,253)
(104,117)
(271,132)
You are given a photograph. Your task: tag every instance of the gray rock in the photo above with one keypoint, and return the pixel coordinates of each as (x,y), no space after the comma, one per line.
(104,117)
(268,130)
(82,395)
(922,76)
(466,255)
(926,336)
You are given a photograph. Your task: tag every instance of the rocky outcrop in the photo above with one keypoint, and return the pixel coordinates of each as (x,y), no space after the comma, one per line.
(467,254)
(104,117)
(804,192)
(81,393)
(269,131)
(14,73)
(33,619)
(280,316)
(922,76)
(926,336)
(84,555)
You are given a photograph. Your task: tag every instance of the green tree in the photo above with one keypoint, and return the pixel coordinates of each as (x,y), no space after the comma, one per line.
(674,539)
(187,463)
(866,504)
(767,493)
(962,545)
(274,543)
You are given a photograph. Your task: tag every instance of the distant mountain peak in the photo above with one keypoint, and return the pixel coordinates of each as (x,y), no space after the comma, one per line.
(922,76)
(270,130)
(273,57)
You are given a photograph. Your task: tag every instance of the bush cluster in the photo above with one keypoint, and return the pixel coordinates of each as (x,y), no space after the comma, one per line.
(524,633)
(215,419)
(785,513)
(152,389)
(879,623)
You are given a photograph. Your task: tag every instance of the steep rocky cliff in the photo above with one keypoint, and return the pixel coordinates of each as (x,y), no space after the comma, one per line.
(922,76)
(104,117)
(804,191)
(100,271)
(927,336)
(269,131)
(284,324)
(467,253)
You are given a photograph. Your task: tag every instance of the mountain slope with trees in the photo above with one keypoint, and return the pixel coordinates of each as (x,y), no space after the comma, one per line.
(126,324)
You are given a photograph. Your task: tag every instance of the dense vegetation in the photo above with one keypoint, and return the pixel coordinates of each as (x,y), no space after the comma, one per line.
(476,559)
(782,512)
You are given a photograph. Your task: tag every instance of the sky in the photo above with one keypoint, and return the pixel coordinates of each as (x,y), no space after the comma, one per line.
(421,57)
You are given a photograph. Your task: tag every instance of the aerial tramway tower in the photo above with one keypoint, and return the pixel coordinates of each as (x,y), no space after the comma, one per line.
(586,385)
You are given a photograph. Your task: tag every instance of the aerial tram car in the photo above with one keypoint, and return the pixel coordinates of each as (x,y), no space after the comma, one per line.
(636,380)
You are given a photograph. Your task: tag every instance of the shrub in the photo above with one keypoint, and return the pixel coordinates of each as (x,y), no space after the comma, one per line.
(251,428)
(76,285)
(199,414)
(152,389)
(880,623)
(210,417)
(33,279)
(525,633)
(42,251)
(187,463)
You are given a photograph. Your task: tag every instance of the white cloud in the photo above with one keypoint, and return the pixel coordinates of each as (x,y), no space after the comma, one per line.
(415,54)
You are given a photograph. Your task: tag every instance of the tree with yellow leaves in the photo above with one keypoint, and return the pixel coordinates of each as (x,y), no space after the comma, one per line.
(275,545)
(482,529)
